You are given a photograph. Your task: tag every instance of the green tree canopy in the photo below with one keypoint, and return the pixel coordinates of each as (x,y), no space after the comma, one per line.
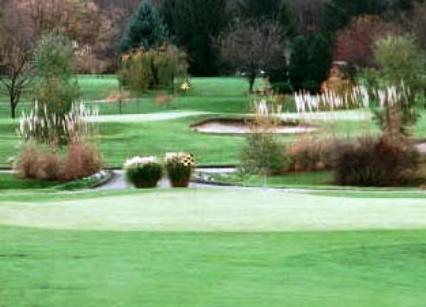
(145,28)
(320,59)
(299,62)
(193,25)
(400,59)
(338,13)
(56,87)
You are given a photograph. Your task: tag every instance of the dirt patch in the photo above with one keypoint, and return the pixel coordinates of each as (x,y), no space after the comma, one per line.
(242,126)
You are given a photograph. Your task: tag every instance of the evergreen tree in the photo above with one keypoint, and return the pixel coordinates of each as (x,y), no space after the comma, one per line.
(194,24)
(338,13)
(277,10)
(320,60)
(299,62)
(145,28)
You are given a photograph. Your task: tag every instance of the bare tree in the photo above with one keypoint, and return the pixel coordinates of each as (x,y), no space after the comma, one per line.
(16,43)
(307,14)
(252,47)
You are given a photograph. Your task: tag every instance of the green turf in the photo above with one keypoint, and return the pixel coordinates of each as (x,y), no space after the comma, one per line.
(291,180)
(119,141)
(66,268)
(210,210)
(11,182)
(222,96)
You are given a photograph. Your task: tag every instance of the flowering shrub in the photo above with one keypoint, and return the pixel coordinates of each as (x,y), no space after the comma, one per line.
(185,86)
(143,172)
(179,166)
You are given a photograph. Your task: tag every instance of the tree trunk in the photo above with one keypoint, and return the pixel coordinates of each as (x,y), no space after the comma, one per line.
(251,79)
(13,102)
(13,111)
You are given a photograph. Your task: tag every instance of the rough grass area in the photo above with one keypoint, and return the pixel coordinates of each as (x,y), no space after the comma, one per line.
(89,268)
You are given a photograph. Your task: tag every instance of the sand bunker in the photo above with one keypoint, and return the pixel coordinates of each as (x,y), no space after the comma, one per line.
(242,126)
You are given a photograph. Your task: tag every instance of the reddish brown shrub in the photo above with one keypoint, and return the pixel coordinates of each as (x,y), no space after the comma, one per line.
(81,160)
(36,164)
(310,153)
(355,44)
(376,162)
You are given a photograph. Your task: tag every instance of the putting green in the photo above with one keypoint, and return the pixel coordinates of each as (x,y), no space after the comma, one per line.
(215,210)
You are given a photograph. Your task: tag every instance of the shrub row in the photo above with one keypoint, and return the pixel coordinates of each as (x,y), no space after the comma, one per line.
(367,161)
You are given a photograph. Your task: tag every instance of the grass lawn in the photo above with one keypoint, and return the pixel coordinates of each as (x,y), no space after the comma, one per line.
(225,209)
(204,247)
(90,268)
(11,182)
(292,180)
(119,140)
(104,256)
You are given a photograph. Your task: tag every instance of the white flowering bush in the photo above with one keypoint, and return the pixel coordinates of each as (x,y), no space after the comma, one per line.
(143,172)
(179,166)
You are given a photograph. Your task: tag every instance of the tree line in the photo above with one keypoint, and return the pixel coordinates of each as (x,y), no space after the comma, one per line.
(291,42)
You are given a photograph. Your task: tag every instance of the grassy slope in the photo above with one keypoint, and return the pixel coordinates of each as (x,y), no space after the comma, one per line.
(58,268)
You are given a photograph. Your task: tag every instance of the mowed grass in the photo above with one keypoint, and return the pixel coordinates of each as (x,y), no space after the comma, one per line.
(9,181)
(222,95)
(213,210)
(120,141)
(89,268)
(216,96)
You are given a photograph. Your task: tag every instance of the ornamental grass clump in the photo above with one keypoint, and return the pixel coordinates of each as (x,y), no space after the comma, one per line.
(179,166)
(143,172)
(58,147)
(55,130)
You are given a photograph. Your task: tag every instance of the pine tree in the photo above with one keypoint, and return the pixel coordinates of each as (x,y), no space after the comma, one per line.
(145,28)
(193,25)
(277,10)
(320,60)
(299,62)
(338,13)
